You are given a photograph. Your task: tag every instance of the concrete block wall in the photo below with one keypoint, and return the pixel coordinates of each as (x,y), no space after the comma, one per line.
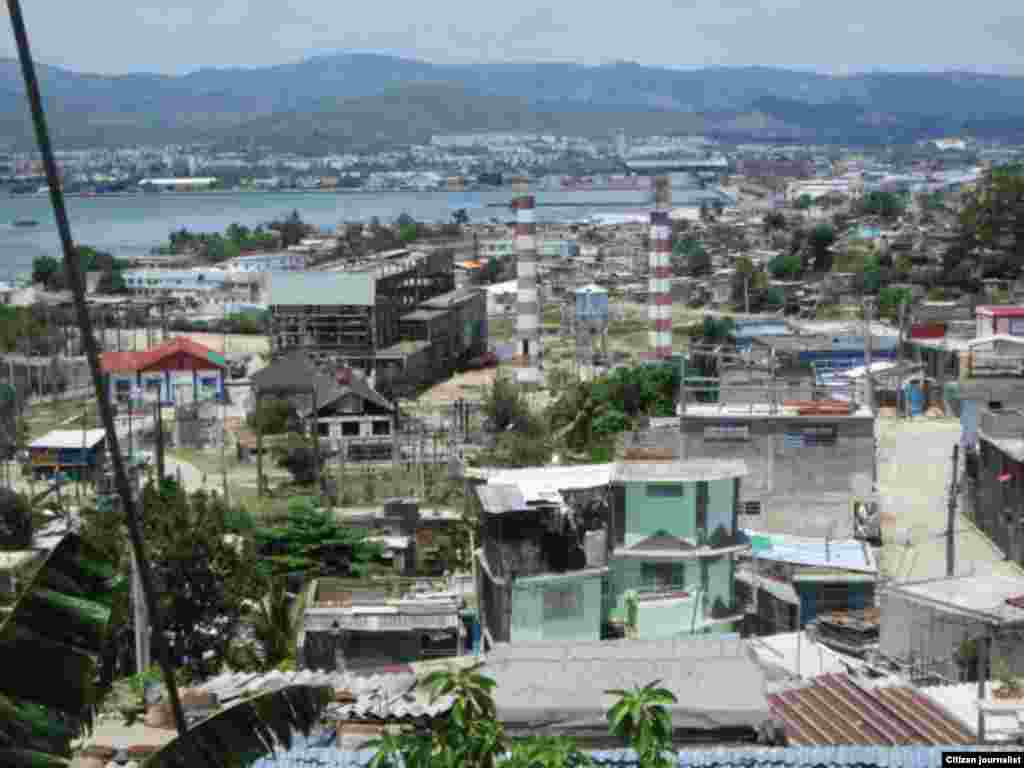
(913,629)
(996,506)
(801,489)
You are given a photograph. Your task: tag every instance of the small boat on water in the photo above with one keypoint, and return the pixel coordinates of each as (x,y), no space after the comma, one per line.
(26,223)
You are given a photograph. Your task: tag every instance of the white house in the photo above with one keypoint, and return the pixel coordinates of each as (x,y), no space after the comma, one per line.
(276,261)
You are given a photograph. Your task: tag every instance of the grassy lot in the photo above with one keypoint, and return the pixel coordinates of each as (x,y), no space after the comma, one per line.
(64,414)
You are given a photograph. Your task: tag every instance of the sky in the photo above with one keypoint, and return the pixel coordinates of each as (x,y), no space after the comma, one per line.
(119,36)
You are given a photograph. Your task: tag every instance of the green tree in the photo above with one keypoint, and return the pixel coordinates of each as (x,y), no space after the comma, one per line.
(45,269)
(690,250)
(203,576)
(588,417)
(820,240)
(889,300)
(309,540)
(273,416)
(642,718)
(774,221)
(774,298)
(470,737)
(15,520)
(291,229)
(276,621)
(785,266)
(992,225)
(300,460)
(884,204)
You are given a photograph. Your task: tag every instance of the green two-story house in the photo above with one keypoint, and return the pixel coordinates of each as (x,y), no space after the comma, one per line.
(673,542)
(578,553)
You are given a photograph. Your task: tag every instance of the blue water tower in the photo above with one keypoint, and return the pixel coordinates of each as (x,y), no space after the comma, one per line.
(592,306)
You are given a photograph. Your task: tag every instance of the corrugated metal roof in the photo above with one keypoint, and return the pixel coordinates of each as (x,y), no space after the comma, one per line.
(713,757)
(845,554)
(835,710)
(376,696)
(546,483)
(322,288)
(977,595)
(497,499)
(69,438)
(715,679)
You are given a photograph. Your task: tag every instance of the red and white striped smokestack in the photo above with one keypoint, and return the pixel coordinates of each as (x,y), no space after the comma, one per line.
(528,300)
(659,299)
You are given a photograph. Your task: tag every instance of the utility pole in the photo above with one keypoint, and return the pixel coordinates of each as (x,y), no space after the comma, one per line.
(141,615)
(223,439)
(316,447)
(159,425)
(869,382)
(951,521)
(900,399)
(984,649)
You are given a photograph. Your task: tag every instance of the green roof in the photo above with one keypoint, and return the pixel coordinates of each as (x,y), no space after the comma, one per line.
(322,288)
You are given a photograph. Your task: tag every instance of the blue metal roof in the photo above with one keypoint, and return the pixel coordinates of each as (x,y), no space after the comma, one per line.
(722,757)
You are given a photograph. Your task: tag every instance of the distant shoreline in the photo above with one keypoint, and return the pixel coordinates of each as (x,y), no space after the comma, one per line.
(266,192)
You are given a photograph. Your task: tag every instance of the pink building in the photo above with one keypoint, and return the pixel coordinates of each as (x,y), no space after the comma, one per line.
(999,320)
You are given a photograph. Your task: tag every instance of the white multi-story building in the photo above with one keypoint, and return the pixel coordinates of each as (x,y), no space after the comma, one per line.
(276,261)
(177,282)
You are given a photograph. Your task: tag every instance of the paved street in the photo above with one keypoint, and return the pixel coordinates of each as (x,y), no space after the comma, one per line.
(915,464)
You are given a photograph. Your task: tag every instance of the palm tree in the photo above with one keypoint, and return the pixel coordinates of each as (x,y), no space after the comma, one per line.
(50,638)
(642,718)
(275,624)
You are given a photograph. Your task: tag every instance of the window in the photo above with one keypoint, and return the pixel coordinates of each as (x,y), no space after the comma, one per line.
(662,576)
(664,490)
(323,429)
(702,504)
(382,427)
(563,602)
(811,437)
(834,597)
(350,429)
(750,508)
(727,433)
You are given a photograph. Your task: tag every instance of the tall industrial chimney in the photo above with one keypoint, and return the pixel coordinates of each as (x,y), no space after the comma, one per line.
(659,300)
(528,305)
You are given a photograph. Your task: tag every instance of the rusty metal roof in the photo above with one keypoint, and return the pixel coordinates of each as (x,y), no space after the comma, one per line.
(835,710)
(864,620)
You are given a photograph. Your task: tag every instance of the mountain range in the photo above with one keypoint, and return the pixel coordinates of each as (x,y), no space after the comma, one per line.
(356,101)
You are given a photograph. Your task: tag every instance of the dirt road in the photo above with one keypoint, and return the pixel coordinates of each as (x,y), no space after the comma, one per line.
(915,466)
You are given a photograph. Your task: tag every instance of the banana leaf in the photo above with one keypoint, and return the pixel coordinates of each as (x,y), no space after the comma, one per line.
(34,727)
(247,731)
(49,643)
(23,758)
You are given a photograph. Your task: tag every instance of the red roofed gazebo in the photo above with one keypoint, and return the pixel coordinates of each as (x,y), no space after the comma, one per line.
(164,369)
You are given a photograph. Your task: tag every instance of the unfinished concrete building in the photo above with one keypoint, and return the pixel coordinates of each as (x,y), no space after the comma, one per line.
(808,463)
(398,318)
